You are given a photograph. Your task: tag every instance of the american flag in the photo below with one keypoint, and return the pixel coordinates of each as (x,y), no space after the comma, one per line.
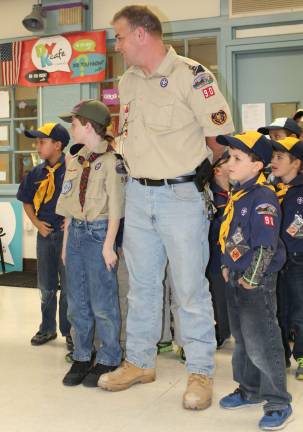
(10,59)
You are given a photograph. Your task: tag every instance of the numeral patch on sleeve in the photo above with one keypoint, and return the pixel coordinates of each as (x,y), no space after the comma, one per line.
(208,92)
(268,220)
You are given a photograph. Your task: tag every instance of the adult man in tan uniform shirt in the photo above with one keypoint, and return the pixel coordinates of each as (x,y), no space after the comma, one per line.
(171,107)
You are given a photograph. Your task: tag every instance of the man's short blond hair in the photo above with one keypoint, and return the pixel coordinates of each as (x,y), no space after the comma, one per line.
(140,16)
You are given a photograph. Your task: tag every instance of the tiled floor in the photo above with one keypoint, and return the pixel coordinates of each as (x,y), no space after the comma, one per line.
(32,398)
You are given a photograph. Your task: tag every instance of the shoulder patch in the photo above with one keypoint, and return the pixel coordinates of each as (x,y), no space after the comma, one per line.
(219,118)
(202,80)
(267,209)
(196,69)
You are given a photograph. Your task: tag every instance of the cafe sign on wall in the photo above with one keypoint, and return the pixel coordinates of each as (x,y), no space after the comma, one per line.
(63,59)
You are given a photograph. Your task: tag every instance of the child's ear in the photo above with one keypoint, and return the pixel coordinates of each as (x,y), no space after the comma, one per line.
(259,166)
(217,171)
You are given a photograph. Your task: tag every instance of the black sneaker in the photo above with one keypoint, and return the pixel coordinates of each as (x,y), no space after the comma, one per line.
(69,343)
(92,378)
(42,338)
(77,373)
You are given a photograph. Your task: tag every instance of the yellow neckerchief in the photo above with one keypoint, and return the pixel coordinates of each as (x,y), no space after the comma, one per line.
(46,189)
(282,191)
(229,210)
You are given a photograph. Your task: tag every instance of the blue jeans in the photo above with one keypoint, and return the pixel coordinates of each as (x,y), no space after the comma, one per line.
(168,222)
(92,293)
(258,359)
(50,271)
(290,304)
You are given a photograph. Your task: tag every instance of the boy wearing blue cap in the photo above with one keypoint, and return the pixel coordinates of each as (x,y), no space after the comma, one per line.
(219,186)
(252,256)
(286,165)
(39,192)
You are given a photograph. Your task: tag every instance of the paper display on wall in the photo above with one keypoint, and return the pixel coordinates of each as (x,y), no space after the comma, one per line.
(253,116)
(3,133)
(4,104)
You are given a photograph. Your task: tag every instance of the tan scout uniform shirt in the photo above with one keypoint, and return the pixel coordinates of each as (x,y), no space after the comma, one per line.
(105,190)
(165,118)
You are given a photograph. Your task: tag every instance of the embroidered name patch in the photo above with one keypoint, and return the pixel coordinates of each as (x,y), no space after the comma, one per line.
(66,187)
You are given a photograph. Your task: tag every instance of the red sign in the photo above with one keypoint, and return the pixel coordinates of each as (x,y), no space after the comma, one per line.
(63,59)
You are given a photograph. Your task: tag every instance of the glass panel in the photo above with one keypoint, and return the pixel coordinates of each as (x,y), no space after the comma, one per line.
(21,141)
(24,162)
(287,109)
(4,134)
(178,46)
(4,103)
(204,50)
(26,101)
(5,168)
(115,65)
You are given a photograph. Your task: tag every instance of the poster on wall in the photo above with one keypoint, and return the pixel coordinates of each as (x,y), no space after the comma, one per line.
(63,59)
(11,222)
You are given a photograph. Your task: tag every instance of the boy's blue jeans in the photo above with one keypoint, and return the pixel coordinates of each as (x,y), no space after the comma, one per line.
(168,222)
(258,359)
(290,304)
(50,270)
(92,293)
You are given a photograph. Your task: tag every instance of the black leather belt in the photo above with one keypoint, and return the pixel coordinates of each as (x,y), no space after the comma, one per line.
(162,182)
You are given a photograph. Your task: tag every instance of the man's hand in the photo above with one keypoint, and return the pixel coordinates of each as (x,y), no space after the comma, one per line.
(44,228)
(225,274)
(245,284)
(110,257)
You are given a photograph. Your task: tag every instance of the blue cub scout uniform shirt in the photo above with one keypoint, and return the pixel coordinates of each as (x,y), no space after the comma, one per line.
(292,216)
(29,186)
(220,201)
(256,222)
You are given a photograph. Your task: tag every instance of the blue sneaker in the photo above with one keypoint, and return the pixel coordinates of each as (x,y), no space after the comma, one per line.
(275,420)
(237,400)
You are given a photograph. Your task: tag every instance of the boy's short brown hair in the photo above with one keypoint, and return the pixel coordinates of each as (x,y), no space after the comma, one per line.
(140,16)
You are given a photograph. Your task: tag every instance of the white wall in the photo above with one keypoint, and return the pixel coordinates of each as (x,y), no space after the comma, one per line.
(167,10)
(12,13)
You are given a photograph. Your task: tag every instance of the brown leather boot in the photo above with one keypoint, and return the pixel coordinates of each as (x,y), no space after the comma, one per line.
(198,395)
(126,376)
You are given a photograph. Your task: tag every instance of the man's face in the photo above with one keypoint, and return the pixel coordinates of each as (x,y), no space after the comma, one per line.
(241,167)
(127,41)
(47,148)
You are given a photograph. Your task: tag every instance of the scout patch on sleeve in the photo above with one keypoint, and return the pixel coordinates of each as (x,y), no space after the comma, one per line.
(197,69)
(266,209)
(98,166)
(66,187)
(295,229)
(219,118)
(235,254)
(268,220)
(202,80)
(164,82)
(208,92)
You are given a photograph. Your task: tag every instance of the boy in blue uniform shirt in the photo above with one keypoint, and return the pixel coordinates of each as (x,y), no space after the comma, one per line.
(219,186)
(252,256)
(286,165)
(39,192)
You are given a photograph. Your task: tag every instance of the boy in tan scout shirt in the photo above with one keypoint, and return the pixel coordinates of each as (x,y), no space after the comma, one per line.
(92,201)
